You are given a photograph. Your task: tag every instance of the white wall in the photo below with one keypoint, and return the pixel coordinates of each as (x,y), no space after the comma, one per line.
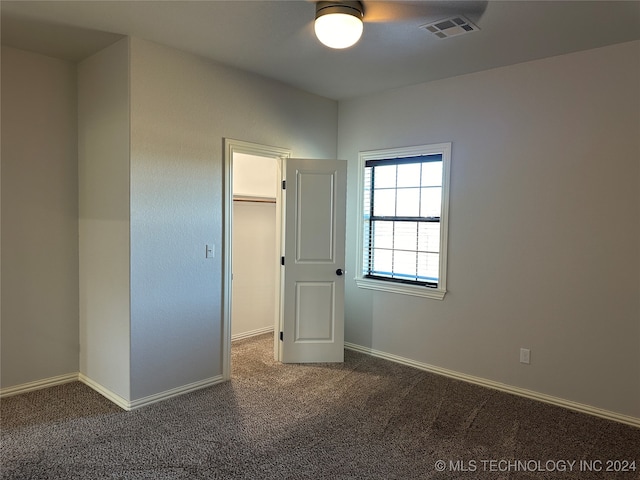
(103,157)
(182,108)
(254,267)
(544,235)
(255,176)
(39,218)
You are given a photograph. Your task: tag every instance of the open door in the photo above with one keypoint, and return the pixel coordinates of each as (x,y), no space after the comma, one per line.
(312,297)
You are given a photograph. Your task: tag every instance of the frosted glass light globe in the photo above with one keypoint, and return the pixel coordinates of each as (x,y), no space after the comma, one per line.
(338,30)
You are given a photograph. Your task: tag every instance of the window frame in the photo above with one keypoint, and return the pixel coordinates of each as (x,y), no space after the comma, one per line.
(391,286)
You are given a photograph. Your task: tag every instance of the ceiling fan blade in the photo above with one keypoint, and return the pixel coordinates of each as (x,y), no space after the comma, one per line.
(388,11)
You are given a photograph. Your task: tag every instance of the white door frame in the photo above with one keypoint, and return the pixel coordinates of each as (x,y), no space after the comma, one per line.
(230,147)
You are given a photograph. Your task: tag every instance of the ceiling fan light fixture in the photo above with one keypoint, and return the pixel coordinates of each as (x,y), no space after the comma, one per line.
(339,24)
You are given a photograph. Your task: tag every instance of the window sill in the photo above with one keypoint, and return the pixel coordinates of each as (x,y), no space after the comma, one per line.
(402,289)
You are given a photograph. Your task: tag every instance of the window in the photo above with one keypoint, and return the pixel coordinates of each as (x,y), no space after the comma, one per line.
(403,211)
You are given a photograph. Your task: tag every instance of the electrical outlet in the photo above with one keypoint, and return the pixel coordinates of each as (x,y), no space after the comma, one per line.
(525,356)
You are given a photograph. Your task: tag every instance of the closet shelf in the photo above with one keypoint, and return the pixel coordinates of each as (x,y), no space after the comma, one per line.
(252,198)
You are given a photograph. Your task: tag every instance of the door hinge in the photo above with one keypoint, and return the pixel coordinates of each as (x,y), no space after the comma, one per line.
(284,184)
(282,336)
(281,261)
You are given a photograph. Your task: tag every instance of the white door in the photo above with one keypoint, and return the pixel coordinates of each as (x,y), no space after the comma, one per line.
(312,323)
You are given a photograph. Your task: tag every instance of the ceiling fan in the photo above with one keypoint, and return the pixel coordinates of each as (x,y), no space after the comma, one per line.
(339,24)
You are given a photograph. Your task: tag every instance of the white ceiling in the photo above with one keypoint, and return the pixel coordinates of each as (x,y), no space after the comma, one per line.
(275,39)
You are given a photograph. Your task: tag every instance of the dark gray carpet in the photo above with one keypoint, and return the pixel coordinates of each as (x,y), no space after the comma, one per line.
(364,419)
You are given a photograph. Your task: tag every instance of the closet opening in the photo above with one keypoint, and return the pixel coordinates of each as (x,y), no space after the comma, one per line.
(254,255)
(253,233)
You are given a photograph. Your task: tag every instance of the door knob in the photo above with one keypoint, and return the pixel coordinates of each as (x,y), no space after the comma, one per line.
(339,272)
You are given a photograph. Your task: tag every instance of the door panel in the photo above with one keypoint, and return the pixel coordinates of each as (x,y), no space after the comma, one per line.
(315,219)
(313,303)
(315,318)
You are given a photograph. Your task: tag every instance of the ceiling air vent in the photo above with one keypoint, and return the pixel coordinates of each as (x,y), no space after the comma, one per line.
(451,27)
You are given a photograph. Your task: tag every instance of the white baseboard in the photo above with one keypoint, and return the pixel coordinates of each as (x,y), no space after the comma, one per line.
(522,392)
(252,333)
(38,384)
(105,392)
(157,397)
(174,392)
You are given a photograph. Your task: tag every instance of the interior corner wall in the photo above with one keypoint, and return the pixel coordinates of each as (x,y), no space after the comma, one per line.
(39,312)
(544,232)
(103,157)
(183,107)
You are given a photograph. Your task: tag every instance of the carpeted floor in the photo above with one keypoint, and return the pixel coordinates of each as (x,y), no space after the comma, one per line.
(364,419)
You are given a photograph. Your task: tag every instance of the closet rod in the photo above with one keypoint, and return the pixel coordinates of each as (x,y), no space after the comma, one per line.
(245,198)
